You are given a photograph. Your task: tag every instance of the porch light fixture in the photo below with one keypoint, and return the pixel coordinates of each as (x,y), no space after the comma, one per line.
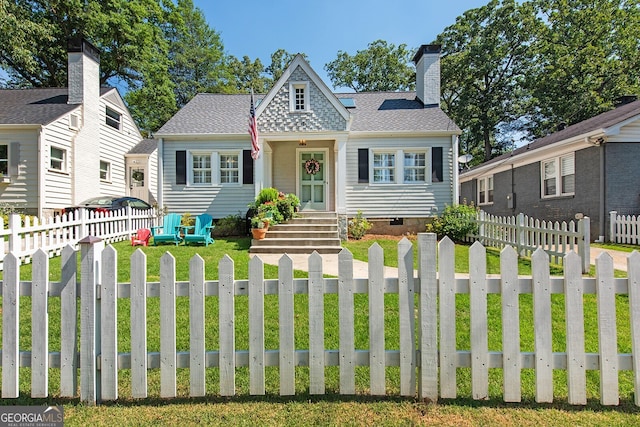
(302,143)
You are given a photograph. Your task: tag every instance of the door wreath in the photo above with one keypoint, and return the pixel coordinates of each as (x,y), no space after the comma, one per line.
(312,166)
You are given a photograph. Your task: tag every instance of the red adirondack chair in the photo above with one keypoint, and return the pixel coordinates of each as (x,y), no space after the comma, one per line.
(141,238)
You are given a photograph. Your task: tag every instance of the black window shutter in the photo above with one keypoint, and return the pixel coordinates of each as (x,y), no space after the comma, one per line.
(363,165)
(247,167)
(181,167)
(14,159)
(436,164)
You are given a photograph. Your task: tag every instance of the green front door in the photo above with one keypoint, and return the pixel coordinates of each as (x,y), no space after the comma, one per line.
(312,170)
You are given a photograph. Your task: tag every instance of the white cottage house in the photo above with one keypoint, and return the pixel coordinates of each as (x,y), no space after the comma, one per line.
(392,155)
(59,146)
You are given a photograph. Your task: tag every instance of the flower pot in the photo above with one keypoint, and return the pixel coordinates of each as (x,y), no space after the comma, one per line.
(258,233)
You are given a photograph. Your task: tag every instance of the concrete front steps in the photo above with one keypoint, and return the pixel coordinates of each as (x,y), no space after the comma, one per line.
(311,231)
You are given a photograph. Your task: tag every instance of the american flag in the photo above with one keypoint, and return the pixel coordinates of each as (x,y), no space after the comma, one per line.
(253,131)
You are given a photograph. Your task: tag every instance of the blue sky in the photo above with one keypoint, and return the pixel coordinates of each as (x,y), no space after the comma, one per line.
(321,28)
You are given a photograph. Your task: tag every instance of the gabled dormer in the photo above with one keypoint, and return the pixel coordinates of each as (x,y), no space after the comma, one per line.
(301,102)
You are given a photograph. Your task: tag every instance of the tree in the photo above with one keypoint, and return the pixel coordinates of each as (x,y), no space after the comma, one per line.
(380,67)
(248,75)
(196,54)
(485,57)
(280,60)
(586,57)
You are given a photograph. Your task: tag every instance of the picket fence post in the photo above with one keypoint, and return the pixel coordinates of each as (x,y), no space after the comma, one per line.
(90,262)
(613,216)
(15,225)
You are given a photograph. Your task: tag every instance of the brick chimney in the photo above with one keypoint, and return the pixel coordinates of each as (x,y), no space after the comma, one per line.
(427,60)
(84,90)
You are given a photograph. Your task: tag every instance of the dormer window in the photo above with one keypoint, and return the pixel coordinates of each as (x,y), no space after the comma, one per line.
(299,96)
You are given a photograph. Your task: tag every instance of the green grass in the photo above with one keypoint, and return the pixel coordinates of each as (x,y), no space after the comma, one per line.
(331,409)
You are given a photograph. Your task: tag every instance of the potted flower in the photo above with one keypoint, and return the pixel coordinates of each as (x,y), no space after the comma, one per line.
(258,227)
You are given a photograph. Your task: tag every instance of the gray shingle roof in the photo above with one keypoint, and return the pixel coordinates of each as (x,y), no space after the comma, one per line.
(374,112)
(34,106)
(146,146)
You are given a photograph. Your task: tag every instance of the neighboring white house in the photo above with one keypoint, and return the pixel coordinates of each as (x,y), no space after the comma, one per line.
(59,146)
(392,155)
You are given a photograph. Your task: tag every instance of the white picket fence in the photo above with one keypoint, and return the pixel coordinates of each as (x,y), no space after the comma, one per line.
(526,235)
(25,236)
(427,356)
(624,228)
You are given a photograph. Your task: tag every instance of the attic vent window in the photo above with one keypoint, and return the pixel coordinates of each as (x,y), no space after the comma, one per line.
(299,96)
(113,118)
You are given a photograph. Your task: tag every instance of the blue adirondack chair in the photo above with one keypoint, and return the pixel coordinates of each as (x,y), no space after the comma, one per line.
(201,231)
(169,231)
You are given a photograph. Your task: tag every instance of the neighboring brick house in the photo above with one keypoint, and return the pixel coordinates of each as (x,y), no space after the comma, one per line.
(392,155)
(587,169)
(59,146)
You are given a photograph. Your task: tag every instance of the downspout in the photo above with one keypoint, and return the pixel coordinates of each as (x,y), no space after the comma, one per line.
(159,178)
(456,177)
(602,219)
(40,173)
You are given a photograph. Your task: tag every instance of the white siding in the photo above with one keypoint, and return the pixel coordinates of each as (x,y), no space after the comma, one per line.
(58,188)
(114,144)
(216,200)
(398,200)
(22,191)
(629,133)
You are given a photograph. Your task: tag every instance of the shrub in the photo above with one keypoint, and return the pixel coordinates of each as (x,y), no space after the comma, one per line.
(230,225)
(265,195)
(269,210)
(456,222)
(358,226)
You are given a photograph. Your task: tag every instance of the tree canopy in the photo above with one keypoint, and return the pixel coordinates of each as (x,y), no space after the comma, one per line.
(516,70)
(380,67)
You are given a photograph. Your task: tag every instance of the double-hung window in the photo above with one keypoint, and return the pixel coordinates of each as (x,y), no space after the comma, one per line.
(201,168)
(113,118)
(384,167)
(105,171)
(558,176)
(415,166)
(58,159)
(485,190)
(229,168)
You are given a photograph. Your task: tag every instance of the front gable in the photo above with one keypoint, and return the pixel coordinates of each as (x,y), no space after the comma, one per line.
(301,102)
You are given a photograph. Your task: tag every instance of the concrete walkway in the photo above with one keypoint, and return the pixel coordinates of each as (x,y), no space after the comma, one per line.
(619,257)
(360,268)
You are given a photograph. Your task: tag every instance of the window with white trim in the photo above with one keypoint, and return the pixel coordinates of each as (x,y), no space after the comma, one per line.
(229,168)
(113,118)
(201,168)
(299,96)
(558,176)
(4,159)
(415,166)
(58,159)
(105,171)
(384,167)
(485,190)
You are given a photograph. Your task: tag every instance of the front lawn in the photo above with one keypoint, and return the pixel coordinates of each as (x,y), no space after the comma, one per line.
(331,409)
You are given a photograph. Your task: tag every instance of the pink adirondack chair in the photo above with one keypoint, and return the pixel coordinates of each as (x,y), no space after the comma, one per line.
(141,238)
